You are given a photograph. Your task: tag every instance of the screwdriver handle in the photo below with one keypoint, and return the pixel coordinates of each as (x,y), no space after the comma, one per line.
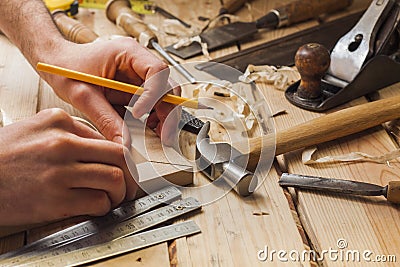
(120,12)
(231,6)
(393,192)
(302,10)
(72,29)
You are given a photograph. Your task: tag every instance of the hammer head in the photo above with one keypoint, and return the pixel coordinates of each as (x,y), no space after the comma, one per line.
(221,160)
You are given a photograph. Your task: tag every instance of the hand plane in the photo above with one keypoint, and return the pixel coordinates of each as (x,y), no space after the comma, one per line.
(364,60)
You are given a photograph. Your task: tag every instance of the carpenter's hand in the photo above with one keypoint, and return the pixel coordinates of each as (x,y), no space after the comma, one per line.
(54,167)
(122,59)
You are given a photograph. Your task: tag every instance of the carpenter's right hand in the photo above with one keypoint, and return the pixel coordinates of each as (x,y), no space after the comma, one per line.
(52,167)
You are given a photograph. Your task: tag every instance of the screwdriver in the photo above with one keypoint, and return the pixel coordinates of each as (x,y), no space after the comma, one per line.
(120,12)
(391,191)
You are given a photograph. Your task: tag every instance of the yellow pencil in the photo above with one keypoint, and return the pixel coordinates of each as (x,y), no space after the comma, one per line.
(116,85)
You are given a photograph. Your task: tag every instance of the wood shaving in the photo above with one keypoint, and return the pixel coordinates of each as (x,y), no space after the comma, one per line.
(308,157)
(195,39)
(218,21)
(175,28)
(279,77)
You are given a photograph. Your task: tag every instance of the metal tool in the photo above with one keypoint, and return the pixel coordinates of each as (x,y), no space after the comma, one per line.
(120,246)
(280,52)
(156,9)
(220,159)
(111,232)
(124,212)
(364,60)
(138,6)
(292,13)
(120,12)
(215,159)
(391,191)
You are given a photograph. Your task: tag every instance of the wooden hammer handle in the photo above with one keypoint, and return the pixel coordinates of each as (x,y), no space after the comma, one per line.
(328,127)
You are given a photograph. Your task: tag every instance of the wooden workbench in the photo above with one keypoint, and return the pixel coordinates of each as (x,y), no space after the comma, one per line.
(232,233)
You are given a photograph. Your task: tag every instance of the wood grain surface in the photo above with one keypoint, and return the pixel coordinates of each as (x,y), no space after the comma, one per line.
(235,229)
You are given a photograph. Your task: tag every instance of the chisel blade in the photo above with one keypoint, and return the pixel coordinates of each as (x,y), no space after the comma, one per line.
(215,38)
(331,185)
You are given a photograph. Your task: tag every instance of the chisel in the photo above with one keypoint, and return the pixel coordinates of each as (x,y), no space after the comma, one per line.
(120,12)
(391,191)
(292,13)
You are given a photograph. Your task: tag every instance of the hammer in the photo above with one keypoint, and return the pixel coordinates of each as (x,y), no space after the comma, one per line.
(221,160)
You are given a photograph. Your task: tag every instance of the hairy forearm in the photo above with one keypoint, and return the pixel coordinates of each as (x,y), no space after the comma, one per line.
(28,24)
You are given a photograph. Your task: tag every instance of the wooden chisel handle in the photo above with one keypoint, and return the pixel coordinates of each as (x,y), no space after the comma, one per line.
(72,29)
(302,10)
(328,127)
(393,192)
(231,6)
(120,12)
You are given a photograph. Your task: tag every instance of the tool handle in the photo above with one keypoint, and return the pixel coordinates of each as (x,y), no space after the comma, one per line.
(302,10)
(393,192)
(328,127)
(72,29)
(231,6)
(120,12)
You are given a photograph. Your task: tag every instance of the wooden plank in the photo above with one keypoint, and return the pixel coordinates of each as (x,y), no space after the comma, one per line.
(365,223)
(18,98)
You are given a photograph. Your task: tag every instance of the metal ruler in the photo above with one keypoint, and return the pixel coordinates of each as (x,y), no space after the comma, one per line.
(117,247)
(126,211)
(137,5)
(110,233)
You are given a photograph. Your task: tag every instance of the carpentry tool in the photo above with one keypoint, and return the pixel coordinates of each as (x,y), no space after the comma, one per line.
(120,246)
(138,6)
(120,12)
(280,52)
(124,212)
(72,29)
(215,159)
(364,60)
(391,191)
(116,85)
(292,13)
(156,9)
(227,7)
(70,7)
(110,233)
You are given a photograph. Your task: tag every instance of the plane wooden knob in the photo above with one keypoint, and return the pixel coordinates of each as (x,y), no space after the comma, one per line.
(312,61)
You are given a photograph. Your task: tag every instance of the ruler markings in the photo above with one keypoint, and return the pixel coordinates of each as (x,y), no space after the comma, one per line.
(113,232)
(126,211)
(120,246)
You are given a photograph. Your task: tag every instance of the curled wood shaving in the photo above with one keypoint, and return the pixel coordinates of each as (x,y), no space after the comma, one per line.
(189,40)
(279,77)
(308,157)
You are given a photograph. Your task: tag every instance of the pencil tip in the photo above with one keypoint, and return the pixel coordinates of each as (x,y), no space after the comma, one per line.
(201,106)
